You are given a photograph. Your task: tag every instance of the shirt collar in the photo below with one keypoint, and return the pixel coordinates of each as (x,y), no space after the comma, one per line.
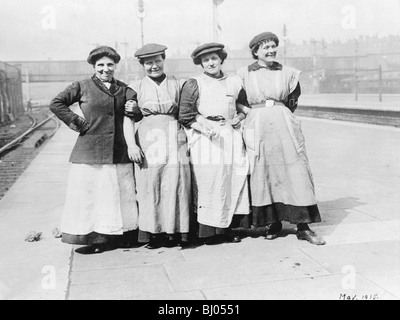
(256,66)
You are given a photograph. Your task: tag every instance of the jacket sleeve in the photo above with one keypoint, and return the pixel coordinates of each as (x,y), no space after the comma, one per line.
(60,107)
(293,98)
(136,114)
(188,103)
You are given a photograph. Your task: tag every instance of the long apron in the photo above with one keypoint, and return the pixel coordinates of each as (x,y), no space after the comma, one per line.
(280,172)
(163,181)
(220,164)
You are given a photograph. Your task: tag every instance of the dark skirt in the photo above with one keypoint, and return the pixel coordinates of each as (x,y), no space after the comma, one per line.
(265,215)
(99,238)
(238,221)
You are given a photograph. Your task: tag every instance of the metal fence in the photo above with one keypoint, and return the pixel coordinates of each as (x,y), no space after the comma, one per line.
(11,102)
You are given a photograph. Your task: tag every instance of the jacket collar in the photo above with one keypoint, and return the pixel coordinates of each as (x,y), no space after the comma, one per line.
(113,88)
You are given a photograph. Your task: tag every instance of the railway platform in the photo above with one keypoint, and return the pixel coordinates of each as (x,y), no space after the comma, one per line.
(356,169)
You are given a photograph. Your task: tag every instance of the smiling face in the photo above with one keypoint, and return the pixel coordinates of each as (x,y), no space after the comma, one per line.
(266,53)
(211,63)
(105,68)
(154,66)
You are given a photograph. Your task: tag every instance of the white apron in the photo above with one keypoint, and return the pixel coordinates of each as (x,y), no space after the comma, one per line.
(220,165)
(280,172)
(163,181)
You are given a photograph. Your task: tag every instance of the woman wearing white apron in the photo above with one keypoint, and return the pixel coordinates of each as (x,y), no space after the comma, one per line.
(160,152)
(212,107)
(281,182)
(100,208)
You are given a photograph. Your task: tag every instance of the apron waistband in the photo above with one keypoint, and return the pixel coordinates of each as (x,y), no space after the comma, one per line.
(267,104)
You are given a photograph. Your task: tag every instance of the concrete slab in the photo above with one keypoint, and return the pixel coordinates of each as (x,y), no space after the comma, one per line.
(360,257)
(329,287)
(119,283)
(125,258)
(359,232)
(229,265)
(343,216)
(390,280)
(37,270)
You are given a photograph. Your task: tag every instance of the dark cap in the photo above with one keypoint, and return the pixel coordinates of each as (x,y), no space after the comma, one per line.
(263,37)
(150,50)
(103,51)
(206,48)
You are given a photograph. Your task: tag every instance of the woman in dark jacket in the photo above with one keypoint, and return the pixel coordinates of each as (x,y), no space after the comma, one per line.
(100,202)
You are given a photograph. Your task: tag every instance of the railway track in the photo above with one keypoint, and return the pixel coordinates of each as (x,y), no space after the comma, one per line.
(23,147)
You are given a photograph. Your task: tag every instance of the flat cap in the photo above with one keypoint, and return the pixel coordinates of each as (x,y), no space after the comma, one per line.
(150,50)
(103,51)
(207,48)
(262,37)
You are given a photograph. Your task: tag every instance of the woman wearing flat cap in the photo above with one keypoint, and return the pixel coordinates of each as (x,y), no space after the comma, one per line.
(281,182)
(100,203)
(159,151)
(212,107)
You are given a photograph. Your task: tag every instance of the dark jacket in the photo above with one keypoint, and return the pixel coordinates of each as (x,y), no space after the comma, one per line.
(101,139)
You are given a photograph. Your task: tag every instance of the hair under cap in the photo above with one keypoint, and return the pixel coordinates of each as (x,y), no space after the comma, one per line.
(103,51)
(150,50)
(263,37)
(207,48)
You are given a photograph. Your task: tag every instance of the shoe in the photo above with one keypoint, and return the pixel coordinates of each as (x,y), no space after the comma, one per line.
(274,231)
(311,237)
(233,239)
(213,240)
(153,244)
(93,249)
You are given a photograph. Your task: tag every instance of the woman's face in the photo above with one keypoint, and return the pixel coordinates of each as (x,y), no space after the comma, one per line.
(154,66)
(267,52)
(105,68)
(211,63)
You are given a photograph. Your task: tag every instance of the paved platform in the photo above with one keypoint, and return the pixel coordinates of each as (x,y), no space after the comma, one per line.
(390,102)
(356,169)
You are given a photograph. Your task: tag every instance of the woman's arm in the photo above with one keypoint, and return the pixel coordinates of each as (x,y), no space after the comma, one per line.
(132,110)
(189,116)
(293,98)
(60,107)
(242,109)
(134,152)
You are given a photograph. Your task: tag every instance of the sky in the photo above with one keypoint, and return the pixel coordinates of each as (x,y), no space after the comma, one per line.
(68,29)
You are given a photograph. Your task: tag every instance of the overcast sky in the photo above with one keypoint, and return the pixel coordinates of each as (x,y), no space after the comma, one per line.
(69,29)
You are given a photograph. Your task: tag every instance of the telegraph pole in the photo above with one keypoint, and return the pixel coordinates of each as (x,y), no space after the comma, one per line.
(284,43)
(216,27)
(125,44)
(140,14)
